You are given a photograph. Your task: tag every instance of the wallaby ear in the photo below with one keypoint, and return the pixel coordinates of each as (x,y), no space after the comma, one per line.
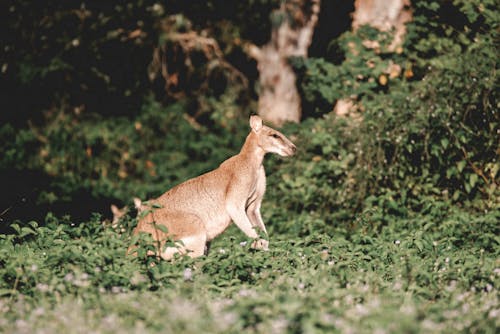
(255,123)
(114,209)
(137,203)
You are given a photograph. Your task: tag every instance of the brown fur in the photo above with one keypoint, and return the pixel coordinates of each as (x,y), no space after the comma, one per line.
(201,208)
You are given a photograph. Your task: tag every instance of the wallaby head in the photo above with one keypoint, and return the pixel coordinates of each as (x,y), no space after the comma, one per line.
(270,140)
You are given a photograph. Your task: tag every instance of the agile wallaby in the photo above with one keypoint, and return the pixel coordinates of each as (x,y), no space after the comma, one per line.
(201,208)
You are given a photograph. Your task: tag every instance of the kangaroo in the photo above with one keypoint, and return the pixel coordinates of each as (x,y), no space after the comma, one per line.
(198,210)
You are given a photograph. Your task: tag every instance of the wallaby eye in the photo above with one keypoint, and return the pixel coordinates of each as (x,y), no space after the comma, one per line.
(274,135)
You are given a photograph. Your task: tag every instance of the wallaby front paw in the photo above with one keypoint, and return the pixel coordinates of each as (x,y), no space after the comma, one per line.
(261,244)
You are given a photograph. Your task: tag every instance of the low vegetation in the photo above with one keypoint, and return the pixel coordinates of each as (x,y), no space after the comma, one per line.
(432,272)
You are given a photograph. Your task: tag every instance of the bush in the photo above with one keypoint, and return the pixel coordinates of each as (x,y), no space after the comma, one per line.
(414,135)
(115,159)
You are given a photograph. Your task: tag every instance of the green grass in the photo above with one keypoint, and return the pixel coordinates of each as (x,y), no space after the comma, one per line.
(422,274)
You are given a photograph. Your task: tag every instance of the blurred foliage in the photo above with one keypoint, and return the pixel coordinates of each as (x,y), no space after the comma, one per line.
(424,125)
(95,54)
(92,54)
(117,157)
(192,66)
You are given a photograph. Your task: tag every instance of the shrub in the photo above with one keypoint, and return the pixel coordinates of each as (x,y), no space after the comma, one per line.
(427,131)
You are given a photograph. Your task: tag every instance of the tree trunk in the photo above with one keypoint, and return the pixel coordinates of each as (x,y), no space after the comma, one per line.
(385,15)
(293,26)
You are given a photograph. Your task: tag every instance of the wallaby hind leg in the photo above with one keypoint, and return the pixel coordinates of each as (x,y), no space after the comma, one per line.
(188,232)
(193,246)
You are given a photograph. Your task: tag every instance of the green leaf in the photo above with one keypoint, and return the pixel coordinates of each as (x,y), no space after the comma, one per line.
(461,165)
(161,227)
(16,228)
(473,180)
(444,143)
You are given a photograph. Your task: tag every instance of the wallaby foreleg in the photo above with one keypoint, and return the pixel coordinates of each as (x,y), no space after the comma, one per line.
(253,209)
(239,217)
(253,213)
(241,220)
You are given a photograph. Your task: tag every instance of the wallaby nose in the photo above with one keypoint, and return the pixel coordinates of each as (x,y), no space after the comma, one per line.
(294,149)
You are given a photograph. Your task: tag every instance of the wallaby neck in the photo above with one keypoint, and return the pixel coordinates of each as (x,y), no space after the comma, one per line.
(251,151)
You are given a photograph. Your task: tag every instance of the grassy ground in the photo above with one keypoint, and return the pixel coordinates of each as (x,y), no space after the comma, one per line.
(422,274)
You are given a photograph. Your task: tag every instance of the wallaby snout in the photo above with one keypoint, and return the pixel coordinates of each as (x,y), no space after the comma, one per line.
(286,150)
(271,140)
(291,150)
